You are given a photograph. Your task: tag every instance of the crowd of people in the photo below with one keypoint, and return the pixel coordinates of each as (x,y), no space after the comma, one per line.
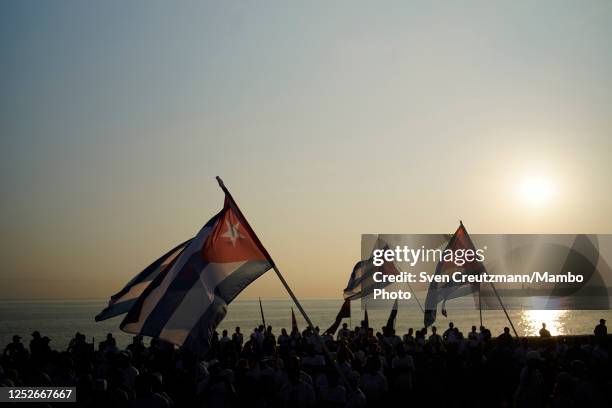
(354,367)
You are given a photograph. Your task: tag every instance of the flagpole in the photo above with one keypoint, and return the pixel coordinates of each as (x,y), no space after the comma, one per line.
(415,297)
(263,319)
(500,302)
(480,304)
(298,304)
(493,286)
(312,327)
(504,308)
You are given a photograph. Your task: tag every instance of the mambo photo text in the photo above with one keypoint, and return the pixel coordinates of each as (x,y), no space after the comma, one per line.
(461,277)
(459,257)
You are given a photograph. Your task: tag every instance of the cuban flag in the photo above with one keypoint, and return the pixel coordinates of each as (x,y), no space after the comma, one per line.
(361,282)
(122,301)
(451,290)
(184,304)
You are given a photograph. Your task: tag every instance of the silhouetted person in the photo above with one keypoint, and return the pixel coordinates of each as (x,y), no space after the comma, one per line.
(36,345)
(238,338)
(435,337)
(225,339)
(15,350)
(601,331)
(449,332)
(544,333)
(344,332)
(505,339)
(485,334)
(269,342)
(108,345)
(409,336)
(79,348)
(137,347)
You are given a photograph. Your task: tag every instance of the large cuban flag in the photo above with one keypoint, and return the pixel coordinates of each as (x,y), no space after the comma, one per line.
(185,303)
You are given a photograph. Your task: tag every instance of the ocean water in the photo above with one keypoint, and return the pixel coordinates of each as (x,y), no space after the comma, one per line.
(59,320)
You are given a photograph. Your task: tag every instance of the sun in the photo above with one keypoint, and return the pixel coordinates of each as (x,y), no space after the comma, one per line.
(537,190)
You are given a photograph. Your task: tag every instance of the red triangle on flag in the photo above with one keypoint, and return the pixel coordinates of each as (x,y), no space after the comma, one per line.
(231,239)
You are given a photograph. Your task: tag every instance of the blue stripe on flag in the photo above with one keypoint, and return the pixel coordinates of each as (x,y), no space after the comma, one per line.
(234,283)
(201,333)
(174,295)
(134,314)
(122,301)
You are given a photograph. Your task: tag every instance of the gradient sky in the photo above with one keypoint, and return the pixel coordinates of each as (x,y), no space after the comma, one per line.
(325,119)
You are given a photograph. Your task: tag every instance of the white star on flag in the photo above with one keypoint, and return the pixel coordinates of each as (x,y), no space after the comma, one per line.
(232,232)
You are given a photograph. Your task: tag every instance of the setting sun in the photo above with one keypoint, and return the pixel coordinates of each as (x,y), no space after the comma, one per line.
(537,190)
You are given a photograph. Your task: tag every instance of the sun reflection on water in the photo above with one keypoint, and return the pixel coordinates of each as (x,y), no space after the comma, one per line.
(531,321)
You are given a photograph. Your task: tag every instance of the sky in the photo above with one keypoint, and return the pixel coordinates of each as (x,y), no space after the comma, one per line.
(326,120)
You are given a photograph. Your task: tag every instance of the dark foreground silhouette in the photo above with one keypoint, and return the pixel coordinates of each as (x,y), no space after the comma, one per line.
(262,370)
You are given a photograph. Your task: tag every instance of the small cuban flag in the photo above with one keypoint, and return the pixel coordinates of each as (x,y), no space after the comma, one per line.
(442,292)
(186,302)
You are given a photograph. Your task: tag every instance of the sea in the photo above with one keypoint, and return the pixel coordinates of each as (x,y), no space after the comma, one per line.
(61,319)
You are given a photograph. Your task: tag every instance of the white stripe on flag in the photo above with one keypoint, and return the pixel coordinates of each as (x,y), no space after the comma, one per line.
(196,301)
(156,294)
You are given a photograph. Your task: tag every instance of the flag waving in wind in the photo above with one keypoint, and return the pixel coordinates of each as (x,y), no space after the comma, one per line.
(361,282)
(460,241)
(123,301)
(345,311)
(392,316)
(185,303)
